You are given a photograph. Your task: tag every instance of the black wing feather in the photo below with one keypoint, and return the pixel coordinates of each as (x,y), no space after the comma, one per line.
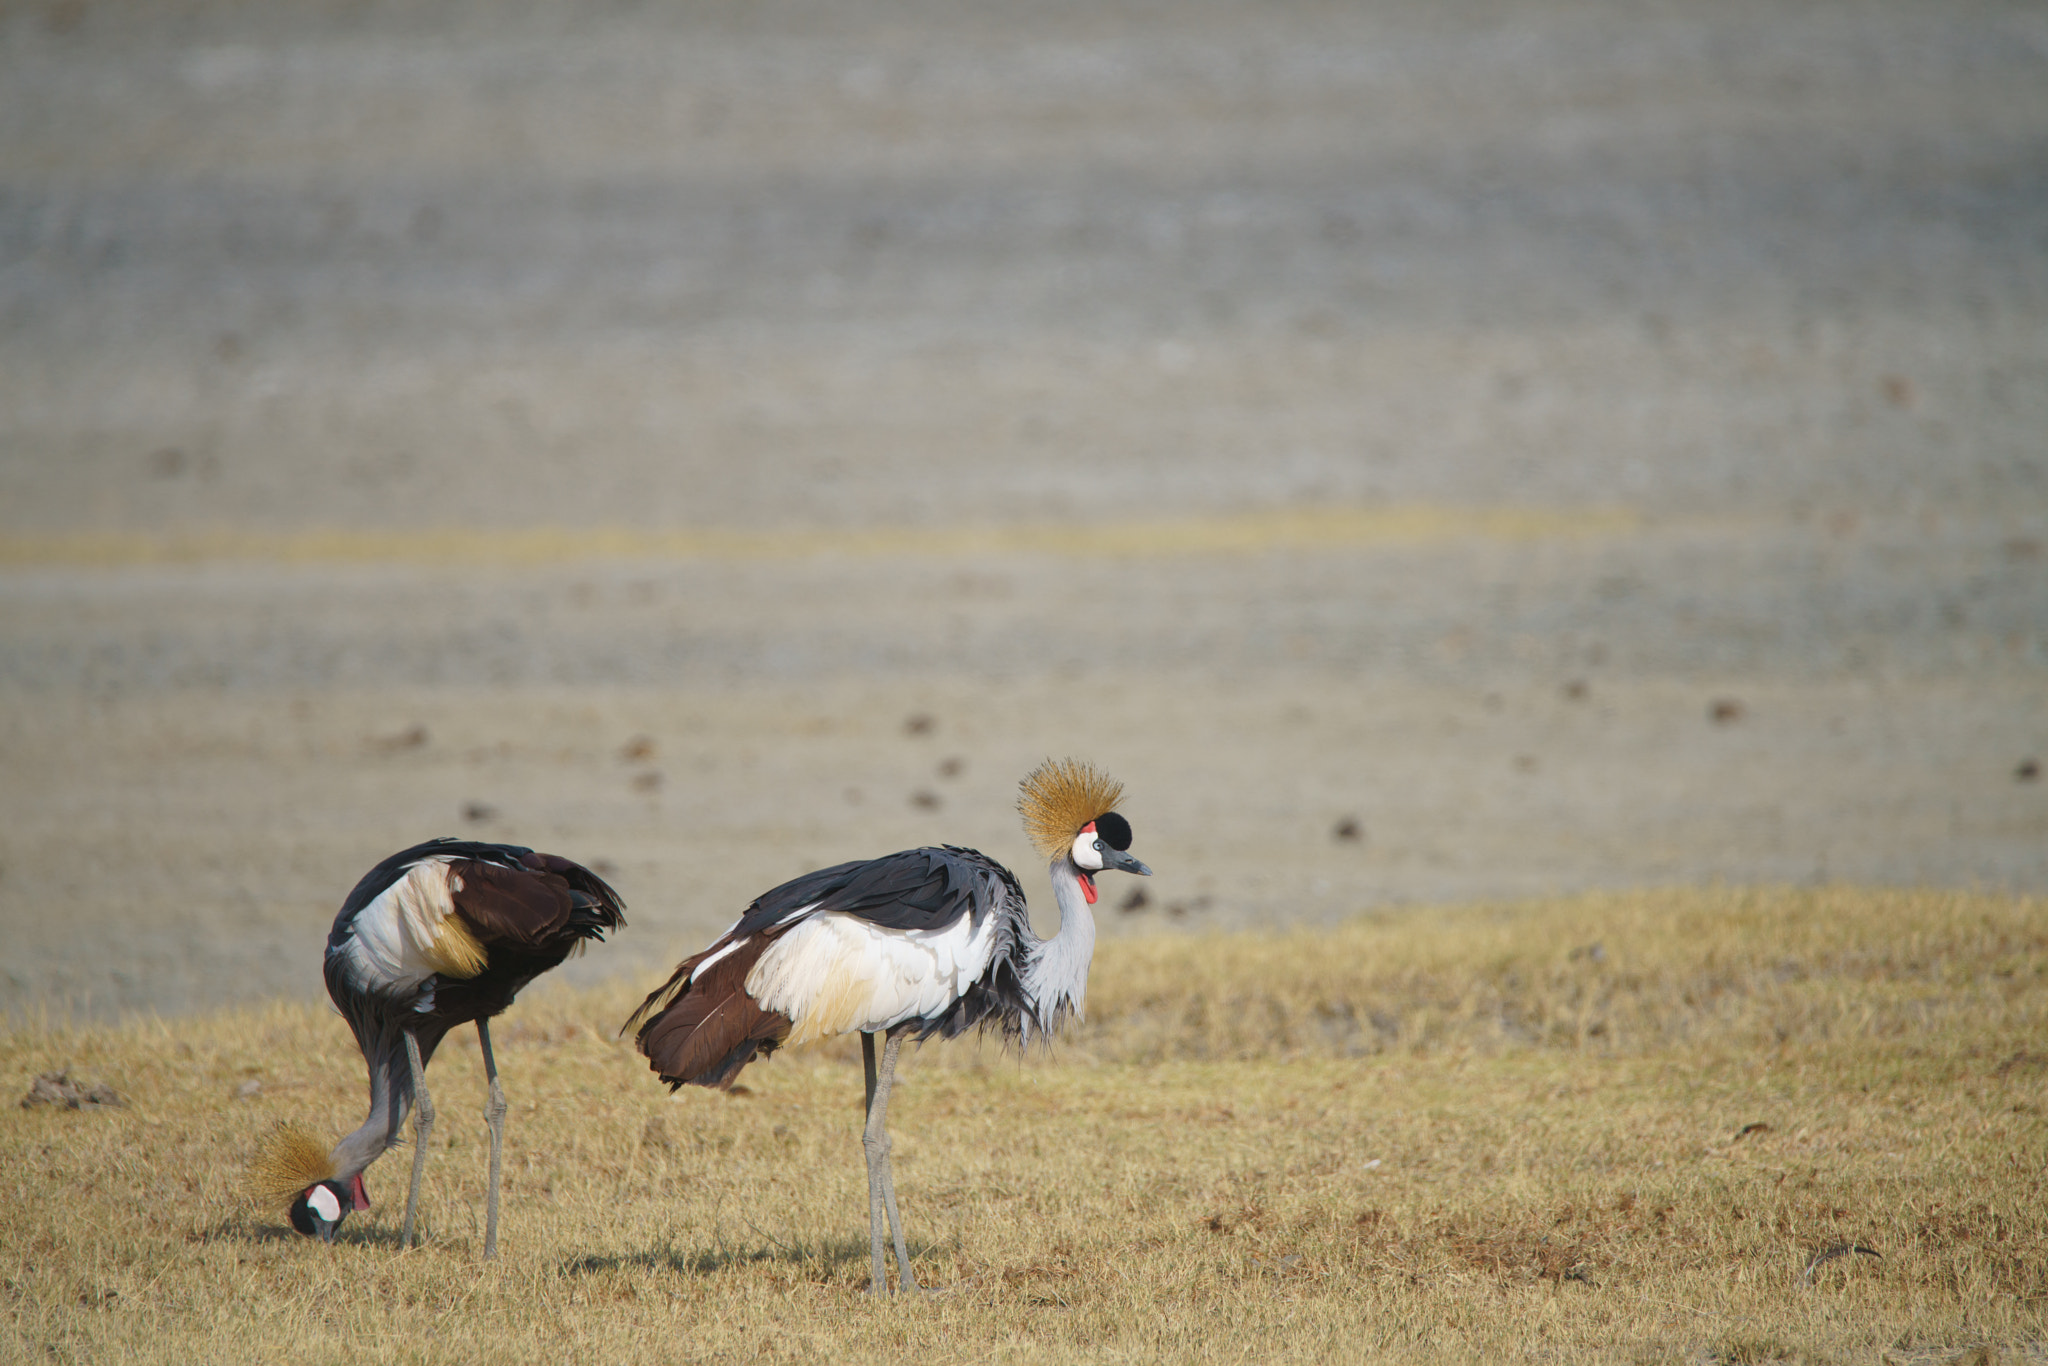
(917,889)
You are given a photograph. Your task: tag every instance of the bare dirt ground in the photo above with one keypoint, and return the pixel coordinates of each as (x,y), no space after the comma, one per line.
(310,313)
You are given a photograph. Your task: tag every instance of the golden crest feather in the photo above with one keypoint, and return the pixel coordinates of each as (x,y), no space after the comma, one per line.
(288,1160)
(1060,797)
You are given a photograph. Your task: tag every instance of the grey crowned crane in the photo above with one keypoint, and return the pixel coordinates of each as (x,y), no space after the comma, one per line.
(439,935)
(928,941)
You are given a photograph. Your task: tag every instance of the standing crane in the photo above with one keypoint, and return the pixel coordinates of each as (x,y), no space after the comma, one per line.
(436,936)
(928,941)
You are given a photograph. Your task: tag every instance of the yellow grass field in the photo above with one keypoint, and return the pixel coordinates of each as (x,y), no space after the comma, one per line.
(1710,1125)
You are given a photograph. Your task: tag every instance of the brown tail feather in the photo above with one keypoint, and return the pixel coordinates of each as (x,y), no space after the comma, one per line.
(708,1028)
(504,905)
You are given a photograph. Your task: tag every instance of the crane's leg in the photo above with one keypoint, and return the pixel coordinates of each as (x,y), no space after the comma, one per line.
(881,1181)
(422,1129)
(878,1282)
(906,1279)
(494,1116)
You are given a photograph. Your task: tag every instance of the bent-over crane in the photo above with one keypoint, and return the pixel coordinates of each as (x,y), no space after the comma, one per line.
(436,936)
(928,941)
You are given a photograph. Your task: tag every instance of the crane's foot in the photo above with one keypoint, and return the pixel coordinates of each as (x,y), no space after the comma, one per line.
(909,1285)
(882,1289)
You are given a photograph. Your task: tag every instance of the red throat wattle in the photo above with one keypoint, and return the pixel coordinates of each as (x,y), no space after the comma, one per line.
(1088,883)
(360,1196)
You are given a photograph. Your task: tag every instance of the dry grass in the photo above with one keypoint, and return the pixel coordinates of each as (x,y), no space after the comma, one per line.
(1449,1134)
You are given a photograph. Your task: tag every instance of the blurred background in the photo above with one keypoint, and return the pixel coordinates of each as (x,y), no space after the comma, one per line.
(1430,452)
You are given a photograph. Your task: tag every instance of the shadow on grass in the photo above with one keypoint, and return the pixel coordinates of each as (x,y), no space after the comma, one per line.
(823,1257)
(828,1255)
(246,1231)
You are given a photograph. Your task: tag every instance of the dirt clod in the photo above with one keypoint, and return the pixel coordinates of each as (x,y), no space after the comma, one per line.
(411,738)
(58,1089)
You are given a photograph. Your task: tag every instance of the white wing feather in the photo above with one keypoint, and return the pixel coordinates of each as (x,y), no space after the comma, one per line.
(837,974)
(396,941)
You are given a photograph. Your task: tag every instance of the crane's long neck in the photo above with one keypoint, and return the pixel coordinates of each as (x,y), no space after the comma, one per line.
(1059,970)
(390,1100)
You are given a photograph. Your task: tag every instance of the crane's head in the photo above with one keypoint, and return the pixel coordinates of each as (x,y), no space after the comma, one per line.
(1069,810)
(322,1206)
(293,1166)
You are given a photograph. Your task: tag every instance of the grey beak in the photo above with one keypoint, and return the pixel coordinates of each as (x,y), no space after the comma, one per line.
(1122,862)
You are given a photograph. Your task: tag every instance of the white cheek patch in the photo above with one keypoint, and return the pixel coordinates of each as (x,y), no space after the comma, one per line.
(1086,855)
(323,1202)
